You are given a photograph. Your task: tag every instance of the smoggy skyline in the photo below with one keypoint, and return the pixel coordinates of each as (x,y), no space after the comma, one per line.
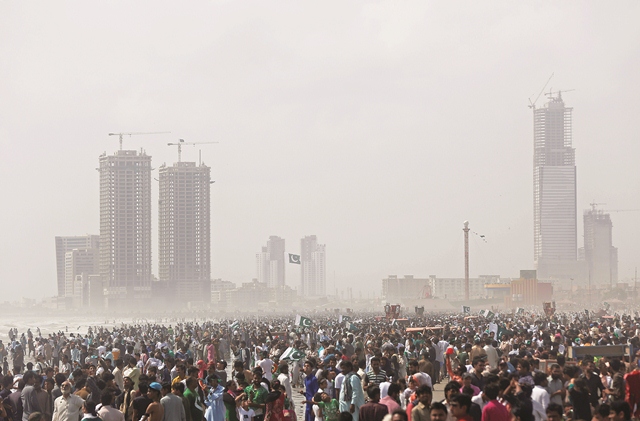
(379,127)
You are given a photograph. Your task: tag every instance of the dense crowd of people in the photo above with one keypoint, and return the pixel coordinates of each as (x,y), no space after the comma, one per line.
(512,367)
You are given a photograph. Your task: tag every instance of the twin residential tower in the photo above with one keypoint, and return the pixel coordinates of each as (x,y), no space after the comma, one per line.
(125,228)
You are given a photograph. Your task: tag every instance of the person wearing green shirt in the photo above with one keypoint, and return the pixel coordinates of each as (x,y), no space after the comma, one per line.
(232,398)
(330,408)
(463,355)
(257,397)
(195,405)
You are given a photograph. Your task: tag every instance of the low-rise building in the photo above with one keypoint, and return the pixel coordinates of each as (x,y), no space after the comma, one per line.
(452,289)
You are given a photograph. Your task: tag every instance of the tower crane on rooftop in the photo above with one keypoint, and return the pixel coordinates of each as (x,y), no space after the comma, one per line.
(559,92)
(533,104)
(131,134)
(182,142)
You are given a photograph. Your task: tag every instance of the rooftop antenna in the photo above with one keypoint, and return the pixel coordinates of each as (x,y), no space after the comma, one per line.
(132,134)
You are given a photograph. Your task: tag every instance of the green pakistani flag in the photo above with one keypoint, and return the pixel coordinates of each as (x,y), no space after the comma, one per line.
(294,258)
(520,310)
(292,354)
(235,325)
(466,310)
(487,314)
(303,321)
(344,319)
(350,326)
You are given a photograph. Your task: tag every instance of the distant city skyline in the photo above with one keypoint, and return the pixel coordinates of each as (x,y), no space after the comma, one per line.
(378,126)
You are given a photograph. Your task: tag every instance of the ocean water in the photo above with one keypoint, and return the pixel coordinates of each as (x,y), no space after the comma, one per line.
(54,323)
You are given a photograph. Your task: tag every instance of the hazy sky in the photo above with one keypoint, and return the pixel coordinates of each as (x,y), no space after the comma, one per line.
(377,126)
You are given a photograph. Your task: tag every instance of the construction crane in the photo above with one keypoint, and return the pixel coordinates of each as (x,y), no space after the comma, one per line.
(182,142)
(559,92)
(533,104)
(133,133)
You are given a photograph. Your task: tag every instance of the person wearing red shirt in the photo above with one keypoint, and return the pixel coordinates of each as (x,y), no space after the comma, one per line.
(494,410)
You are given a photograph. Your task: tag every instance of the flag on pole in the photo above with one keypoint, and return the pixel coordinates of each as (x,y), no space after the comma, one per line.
(303,321)
(344,319)
(519,310)
(292,354)
(466,310)
(294,258)
(234,326)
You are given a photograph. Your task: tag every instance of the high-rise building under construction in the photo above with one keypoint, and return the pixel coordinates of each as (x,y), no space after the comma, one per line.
(125,226)
(554,191)
(184,243)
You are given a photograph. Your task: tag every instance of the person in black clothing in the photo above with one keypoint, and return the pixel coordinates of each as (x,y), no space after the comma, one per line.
(579,395)
(477,379)
(15,399)
(594,384)
(141,403)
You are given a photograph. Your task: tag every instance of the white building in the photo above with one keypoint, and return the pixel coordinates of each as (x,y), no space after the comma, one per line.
(270,263)
(554,192)
(125,226)
(600,255)
(65,244)
(313,271)
(79,263)
(184,243)
(395,288)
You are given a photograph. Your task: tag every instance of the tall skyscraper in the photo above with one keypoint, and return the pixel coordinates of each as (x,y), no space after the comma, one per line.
(313,282)
(184,239)
(270,263)
(554,191)
(600,255)
(125,225)
(66,244)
